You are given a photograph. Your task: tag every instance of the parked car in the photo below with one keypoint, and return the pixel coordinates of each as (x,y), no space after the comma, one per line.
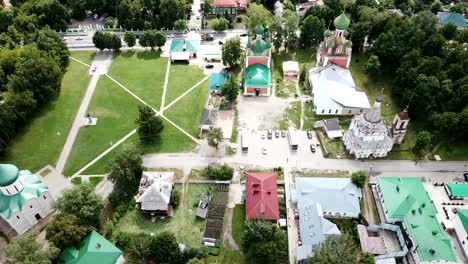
(207,37)
(209,66)
(170,36)
(283,133)
(270,134)
(220,42)
(243,35)
(277,133)
(309,134)
(465,176)
(312,148)
(264,151)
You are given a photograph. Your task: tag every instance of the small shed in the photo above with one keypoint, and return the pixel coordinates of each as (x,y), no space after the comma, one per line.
(217,81)
(208,119)
(290,69)
(184,49)
(211,52)
(202,209)
(331,127)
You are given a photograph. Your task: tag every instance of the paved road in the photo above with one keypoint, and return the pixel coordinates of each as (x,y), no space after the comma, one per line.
(101,61)
(196,17)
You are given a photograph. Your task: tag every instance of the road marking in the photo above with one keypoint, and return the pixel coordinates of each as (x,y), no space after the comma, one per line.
(163,99)
(186,92)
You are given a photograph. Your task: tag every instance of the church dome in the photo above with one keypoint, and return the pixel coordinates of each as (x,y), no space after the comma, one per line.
(327,33)
(267,34)
(341,22)
(259,29)
(8,174)
(349,44)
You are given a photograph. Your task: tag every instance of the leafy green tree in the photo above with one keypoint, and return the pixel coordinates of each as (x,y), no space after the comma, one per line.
(232,52)
(195,261)
(423,141)
(335,250)
(171,11)
(372,67)
(181,25)
(50,42)
(459,7)
(230,89)
(99,40)
(82,202)
(446,123)
(116,42)
(160,39)
(78,11)
(208,7)
(322,13)
(449,31)
(311,32)
(130,39)
(48,12)
(290,24)
(277,32)
(110,22)
(150,126)
(220,173)
(359,178)
(40,76)
(165,249)
(220,24)
(367,258)
(258,15)
(25,249)
(65,231)
(175,198)
(126,170)
(264,242)
(139,248)
(215,136)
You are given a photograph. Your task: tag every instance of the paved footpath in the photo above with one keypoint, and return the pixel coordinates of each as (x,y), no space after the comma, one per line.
(101,61)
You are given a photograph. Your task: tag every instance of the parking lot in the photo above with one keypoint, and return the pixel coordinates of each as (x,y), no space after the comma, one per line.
(279,148)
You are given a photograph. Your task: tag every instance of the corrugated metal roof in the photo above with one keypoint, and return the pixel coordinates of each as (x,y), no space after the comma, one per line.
(406,198)
(188,45)
(451,17)
(334,87)
(262,196)
(459,190)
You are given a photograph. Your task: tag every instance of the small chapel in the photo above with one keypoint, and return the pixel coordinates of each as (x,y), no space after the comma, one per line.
(258,63)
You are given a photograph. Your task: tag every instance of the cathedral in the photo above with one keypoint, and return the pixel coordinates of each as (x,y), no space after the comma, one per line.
(369,135)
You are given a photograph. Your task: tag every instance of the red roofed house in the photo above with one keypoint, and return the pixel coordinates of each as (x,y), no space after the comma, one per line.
(261,196)
(230,7)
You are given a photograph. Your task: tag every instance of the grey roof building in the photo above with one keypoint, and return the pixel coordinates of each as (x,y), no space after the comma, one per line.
(208,119)
(318,199)
(155,190)
(202,209)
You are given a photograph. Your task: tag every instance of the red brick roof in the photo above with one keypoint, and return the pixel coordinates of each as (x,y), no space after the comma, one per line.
(229,3)
(261,196)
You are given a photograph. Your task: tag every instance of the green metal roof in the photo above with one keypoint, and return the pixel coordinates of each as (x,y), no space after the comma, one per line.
(459,190)
(451,17)
(93,249)
(259,29)
(463,214)
(33,188)
(406,198)
(217,81)
(259,46)
(341,22)
(178,45)
(257,75)
(8,174)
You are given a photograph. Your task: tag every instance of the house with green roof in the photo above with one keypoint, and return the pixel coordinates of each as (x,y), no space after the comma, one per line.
(94,248)
(24,200)
(460,224)
(457,191)
(258,63)
(184,49)
(405,201)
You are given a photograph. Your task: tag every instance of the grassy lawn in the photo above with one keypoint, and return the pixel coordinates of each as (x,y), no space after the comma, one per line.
(182,78)
(285,89)
(187,229)
(172,140)
(116,111)
(83,56)
(453,151)
(238,219)
(309,116)
(95,180)
(45,134)
(187,112)
(292,116)
(141,72)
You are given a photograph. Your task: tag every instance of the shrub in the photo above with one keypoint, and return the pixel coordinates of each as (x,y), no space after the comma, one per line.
(175,198)
(221,173)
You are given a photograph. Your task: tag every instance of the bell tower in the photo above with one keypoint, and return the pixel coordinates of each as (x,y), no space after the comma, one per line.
(399,126)
(336,48)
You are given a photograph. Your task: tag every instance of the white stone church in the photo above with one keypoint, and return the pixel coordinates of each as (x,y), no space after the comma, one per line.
(24,200)
(369,135)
